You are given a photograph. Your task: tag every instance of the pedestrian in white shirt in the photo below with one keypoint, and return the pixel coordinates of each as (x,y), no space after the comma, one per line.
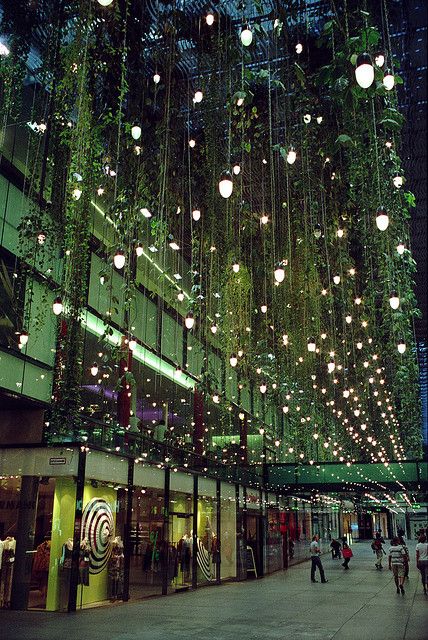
(422,560)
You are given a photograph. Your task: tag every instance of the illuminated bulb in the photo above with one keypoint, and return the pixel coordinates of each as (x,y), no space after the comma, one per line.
(76,193)
(346,392)
(139,250)
(235,267)
(233,360)
(246,36)
(236,169)
(319,119)
(214,328)
(285,408)
(336,279)
(119,259)
(394,300)
(132,344)
(340,233)
(196,214)
(240,102)
(277,443)
(263,308)
(263,387)
(94,369)
(290,449)
(145,212)
(359,345)
(398,181)
(216,398)
(180,296)
(156,78)
(311,345)
(356,412)
(364,72)
(209,19)
(261,431)
(241,415)
(331,366)
(291,155)
(4,50)
(57,306)
(352,271)
(388,80)
(279,273)
(316,436)
(317,231)
(136,132)
(324,292)
(400,248)
(307,118)
(357,300)
(105,3)
(192,143)
(225,184)
(189,320)
(401,346)
(379,59)
(264,219)
(382,219)
(299,48)
(198,97)
(23,338)
(348,319)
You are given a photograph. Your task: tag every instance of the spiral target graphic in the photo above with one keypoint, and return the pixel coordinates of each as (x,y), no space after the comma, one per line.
(98,528)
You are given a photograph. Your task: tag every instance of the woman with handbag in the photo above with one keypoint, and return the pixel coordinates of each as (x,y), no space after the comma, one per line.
(347,555)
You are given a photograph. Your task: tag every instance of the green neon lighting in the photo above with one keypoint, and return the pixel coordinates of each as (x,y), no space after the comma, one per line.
(97,327)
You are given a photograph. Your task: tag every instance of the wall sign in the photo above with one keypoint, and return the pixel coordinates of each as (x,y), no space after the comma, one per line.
(57,461)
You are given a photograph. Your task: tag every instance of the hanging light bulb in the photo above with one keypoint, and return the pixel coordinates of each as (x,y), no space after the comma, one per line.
(119,259)
(319,119)
(291,155)
(209,19)
(214,328)
(400,248)
(246,36)
(23,337)
(233,360)
(180,296)
(346,392)
(340,233)
(401,346)
(364,72)
(57,306)
(277,443)
(196,214)
(136,132)
(225,184)
(198,97)
(356,412)
(388,80)
(216,398)
(311,345)
(235,267)
(382,219)
(156,78)
(394,300)
(331,366)
(263,308)
(307,118)
(285,408)
(94,369)
(263,387)
(192,143)
(379,59)
(264,219)
(4,50)
(41,237)
(348,319)
(359,345)
(236,169)
(357,300)
(279,272)
(317,231)
(189,320)
(105,3)
(299,48)
(398,181)
(76,193)
(132,344)
(336,279)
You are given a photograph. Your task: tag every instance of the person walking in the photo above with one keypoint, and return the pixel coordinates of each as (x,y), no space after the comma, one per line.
(335,549)
(407,557)
(396,563)
(378,550)
(347,555)
(422,560)
(316,560)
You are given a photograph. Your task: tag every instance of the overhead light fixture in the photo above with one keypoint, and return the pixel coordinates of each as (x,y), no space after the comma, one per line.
(4,50)
(291,155)
(394,300)
(317,231)
(57,306)
(136,132)
(180,296)
(299,48)
(156,78)
(246,36)
(236,169)
(214,328)
(139,250)
(279,272)
(388,80)
(225,184)
(311,345)
(105,3)
(382,219)
(235,267)
(23,338)
(198,97)
(196,214)
(336,279)
(401,346)
(174,246)
(189,320)
(400,248)
(145,212)
(379,59)
(209,19)
(94,369)
(364,72)
(263,387)
(119,259)
(331,366)
(233,360)
(398,181)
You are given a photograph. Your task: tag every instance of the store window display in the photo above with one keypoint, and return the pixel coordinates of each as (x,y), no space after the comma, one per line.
(7,558)
(228,532)
(180,548)
(208,558)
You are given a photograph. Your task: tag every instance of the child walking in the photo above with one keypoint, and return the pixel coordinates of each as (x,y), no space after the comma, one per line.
(347,555)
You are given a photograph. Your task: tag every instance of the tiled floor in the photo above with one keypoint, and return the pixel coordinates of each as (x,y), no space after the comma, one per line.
(357,604)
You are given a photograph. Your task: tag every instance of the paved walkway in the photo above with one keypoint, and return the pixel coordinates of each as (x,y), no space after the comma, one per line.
(357,604)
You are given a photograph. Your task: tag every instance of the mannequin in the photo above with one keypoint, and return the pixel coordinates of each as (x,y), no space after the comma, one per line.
(67,552)
(8,547)
(65,573)
(84,557)
(41,565)
(115,569)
